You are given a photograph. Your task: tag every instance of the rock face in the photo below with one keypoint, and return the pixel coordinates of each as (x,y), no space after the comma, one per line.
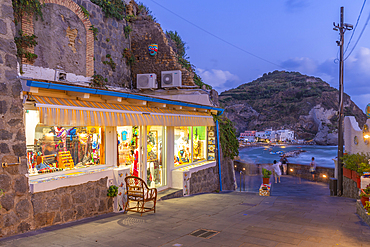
(282,100)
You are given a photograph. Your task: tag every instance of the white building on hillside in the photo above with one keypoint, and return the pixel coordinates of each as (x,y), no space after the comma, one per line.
(285,135)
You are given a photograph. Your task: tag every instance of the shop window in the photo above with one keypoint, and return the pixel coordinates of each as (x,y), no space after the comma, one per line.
(58,148)
(199,143)
(183,151)
(156,167)
(128,147)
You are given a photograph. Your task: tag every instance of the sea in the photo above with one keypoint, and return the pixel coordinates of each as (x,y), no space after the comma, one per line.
(324,155)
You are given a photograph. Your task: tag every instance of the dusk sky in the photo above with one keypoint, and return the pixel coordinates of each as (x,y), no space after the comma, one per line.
(292,35)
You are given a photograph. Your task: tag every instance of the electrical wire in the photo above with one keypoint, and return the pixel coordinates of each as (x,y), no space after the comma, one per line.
(362,31)
(225,41)
(354,29)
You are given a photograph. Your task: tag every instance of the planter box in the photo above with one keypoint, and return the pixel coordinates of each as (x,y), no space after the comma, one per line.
(356,178)
(347,173)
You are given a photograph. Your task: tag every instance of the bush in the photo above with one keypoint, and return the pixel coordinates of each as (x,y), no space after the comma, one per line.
(357,162)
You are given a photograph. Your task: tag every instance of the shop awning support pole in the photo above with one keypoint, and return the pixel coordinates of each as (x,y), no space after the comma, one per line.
(218,154)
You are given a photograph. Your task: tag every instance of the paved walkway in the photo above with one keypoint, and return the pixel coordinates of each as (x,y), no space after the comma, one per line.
(294,215)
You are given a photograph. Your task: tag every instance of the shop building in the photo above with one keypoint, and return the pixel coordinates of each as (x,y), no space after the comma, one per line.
(64,140)
(72,140)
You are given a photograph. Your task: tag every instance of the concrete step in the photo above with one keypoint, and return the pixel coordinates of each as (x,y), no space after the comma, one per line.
(169,194)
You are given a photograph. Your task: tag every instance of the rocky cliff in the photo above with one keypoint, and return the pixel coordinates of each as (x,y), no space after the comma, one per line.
(282,100)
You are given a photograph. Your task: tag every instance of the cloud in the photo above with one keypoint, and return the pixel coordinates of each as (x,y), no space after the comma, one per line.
(356,73)
(218,79)
(304,65)
(294,5)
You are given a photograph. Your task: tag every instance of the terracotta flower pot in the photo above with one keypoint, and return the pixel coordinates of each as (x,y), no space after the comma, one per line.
(364,199)
(347,173)
(266,180)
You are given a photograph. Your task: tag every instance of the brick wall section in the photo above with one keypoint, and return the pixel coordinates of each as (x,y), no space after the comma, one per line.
(27,27)
(146,32)
(16,212)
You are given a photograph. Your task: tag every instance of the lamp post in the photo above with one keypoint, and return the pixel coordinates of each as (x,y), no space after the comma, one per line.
(341,27)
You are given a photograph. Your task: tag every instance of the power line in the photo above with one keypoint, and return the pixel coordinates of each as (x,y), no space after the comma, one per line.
(362,31)
(354,29)
(227,42)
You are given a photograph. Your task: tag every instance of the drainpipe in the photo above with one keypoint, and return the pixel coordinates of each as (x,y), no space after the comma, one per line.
(218,149)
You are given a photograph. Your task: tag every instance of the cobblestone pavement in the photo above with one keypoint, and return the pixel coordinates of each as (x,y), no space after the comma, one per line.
(296,214)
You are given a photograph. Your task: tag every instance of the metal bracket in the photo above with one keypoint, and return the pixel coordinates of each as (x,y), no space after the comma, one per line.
(4,164)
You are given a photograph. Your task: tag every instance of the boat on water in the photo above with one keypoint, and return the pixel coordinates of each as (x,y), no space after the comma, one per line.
(277,152)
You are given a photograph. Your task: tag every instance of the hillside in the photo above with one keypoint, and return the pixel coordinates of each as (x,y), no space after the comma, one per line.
(282,99)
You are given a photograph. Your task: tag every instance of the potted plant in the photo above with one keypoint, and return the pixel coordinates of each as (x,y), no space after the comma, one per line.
(112,191)
(365,194)
(266,175)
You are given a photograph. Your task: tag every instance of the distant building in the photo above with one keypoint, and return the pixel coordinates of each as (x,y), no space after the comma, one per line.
(285,135)
(248,136)
(261,136)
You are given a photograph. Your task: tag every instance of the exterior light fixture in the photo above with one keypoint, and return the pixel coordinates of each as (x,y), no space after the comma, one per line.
(291,170)
(324,176)
(243,168)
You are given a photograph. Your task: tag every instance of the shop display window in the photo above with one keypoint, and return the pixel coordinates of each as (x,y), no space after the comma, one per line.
(58,148)
(156,168)
(183,151)
(128,147)
(199,143)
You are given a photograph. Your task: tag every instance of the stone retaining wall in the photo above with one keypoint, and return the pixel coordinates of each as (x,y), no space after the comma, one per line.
(350,188)
(360,210)
(206,180)
(303,172)
(71,203)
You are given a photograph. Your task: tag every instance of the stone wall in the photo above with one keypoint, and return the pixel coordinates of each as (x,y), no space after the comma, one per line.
(206,180)
(71,203)
(227,174)
(303,172)
(146,32)
(16,212)
(360,210)
(350,188)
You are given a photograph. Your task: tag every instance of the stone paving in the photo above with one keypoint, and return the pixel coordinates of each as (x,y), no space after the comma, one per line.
(298,213)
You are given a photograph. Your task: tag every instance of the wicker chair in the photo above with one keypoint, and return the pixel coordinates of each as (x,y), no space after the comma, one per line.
(139,193)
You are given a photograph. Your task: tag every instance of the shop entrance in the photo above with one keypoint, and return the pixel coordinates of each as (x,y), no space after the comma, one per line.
(156,165)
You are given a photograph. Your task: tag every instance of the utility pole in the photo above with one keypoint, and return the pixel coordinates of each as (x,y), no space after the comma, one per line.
(341,27)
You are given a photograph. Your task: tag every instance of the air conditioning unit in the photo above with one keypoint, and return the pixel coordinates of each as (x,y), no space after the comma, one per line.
(171,78)
(146,81)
